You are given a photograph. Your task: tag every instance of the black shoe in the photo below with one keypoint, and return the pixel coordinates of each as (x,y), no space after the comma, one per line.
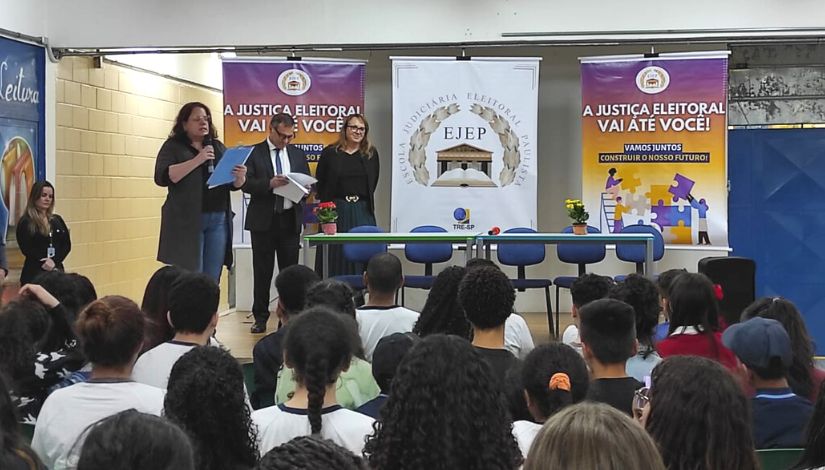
(258,327)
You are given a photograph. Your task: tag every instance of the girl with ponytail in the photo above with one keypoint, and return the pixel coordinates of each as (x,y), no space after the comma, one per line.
(554,376)
(318,348)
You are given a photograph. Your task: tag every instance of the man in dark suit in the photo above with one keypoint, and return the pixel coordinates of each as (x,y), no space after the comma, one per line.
(274,222)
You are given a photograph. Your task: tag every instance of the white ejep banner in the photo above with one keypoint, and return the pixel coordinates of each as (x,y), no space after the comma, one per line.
(464,143)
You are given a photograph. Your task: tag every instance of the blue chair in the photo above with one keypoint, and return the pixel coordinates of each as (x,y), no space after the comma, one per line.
(360,253)
(428,254)
(577,254)
(636,253)
(522,255)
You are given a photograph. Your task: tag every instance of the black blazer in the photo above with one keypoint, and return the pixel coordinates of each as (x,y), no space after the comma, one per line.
(258,173)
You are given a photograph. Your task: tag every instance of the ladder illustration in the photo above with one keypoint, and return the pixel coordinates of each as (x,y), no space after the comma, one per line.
(608,210)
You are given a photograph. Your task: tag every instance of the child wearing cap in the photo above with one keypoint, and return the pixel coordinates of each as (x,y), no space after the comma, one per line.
(779,415)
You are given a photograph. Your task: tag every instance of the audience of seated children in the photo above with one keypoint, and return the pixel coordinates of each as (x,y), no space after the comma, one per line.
(15,454)
(608,335)
(641,294)
(693,312)
(517,337)
(380,316)
(111,336)
(487,297)
(803,377)
(554,376)
(445,411)
(584,290)
(156,306)
(356,385)
(441,313)
(310,453)
(193,314)
(267,356)
(131,440)
(318,347)
(593,436)
(813,457)
(764,348)
(388,354)
(206,398)
(663,283)
(699,416)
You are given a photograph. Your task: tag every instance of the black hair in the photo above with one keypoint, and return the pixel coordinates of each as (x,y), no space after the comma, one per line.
(389,352)
(64,288)
(640,293)
(12,445)
(514,393)
(442,312)
(339,298)
(443,413)
(699,416)
(487,297)
(608,329)
(183,116)
(292,284)
(317,347)
(193,301)
(692,302)
(474,263)
(611,171)
(786,313)
(111,331)
(775,369)
(156,306)
(131,440)
(23,327)
(539,367)
(85,292)
(814,454)
(206,398)
(384,273)
(282,118)
(310,453)
(589,287)
(665,280)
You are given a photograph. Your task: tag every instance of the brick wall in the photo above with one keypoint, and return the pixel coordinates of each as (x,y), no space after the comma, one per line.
(111,121)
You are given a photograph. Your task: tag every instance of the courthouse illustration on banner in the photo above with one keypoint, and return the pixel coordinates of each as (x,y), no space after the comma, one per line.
(654,144)
(319,94)
(464,143)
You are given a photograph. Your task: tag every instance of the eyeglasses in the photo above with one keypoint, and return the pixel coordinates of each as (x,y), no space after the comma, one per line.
(641,398)
(357,128)
(282,135)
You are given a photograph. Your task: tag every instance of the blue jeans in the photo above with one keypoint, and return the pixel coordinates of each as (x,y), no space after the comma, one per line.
(213,238)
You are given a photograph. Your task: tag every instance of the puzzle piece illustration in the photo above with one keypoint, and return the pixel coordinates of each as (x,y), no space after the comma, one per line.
(636,202)
(657,192)
(630,184)
(640,219)
(683,187)
(678,234)
(670,216)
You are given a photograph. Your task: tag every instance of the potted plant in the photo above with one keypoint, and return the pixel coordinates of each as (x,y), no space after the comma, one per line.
(575,210)
(327,215)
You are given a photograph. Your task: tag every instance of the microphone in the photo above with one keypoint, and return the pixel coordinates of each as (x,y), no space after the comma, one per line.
(494,231)
(210,165)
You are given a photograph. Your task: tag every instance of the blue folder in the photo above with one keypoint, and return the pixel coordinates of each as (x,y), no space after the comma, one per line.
(223,171)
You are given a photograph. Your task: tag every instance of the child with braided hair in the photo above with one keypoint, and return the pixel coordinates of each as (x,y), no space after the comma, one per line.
(310,453)
(318,348)
(554,376)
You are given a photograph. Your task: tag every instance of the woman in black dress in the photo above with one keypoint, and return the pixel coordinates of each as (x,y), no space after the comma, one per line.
(42,235)
(347,175)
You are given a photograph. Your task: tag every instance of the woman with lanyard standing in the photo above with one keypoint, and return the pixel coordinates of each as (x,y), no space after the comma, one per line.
(347,175)
(42,235)
(196,221)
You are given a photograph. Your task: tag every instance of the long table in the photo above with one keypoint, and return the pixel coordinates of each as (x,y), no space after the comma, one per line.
(483,242)
(468,240)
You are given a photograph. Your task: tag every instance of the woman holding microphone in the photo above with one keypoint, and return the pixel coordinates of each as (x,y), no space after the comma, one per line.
(196,222)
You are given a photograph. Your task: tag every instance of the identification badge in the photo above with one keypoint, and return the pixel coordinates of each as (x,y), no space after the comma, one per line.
(50,252)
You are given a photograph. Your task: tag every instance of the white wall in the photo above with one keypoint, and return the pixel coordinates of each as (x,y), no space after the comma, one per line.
(23,16)
(127,23)
(203,69)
